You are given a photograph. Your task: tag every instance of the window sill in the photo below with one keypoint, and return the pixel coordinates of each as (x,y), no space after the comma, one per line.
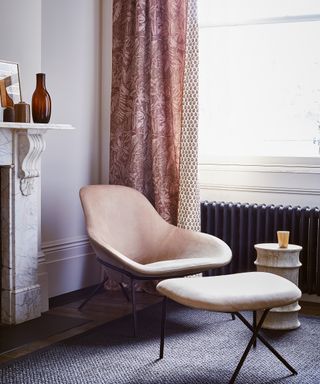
(260,163)
(261,176)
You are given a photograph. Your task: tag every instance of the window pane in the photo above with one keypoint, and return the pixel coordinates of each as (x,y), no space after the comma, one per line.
(260,89)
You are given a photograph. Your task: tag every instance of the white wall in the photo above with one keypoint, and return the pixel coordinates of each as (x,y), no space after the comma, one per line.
(71,58)
(262,180)
(63,39)
(20,42)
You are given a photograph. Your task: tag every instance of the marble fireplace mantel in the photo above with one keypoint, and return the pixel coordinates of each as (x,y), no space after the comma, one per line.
(21,146)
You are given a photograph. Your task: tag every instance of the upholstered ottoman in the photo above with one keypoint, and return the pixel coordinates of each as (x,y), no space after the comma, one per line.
(233,294)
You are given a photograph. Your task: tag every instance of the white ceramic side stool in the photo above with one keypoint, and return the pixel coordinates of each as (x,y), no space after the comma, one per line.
(282,262)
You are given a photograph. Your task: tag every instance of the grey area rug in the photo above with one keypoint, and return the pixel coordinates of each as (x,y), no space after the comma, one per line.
(200,347)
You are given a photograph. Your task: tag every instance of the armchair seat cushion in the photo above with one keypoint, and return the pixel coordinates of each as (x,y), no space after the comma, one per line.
(179,267)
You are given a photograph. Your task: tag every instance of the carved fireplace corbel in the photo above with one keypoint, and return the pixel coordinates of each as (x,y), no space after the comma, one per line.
(30,148)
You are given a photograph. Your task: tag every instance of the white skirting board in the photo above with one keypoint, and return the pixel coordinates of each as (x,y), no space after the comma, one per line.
(68,265)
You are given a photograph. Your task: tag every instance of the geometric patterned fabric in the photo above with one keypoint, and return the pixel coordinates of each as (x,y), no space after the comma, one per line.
(189,194)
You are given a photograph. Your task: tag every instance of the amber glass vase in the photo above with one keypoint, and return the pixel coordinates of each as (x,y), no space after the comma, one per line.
(41,101)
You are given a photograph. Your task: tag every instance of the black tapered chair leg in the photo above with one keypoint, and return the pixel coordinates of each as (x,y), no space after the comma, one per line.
(134,309)
(254,325)
(163,325)
(92,294)
(233,316)
(124,292)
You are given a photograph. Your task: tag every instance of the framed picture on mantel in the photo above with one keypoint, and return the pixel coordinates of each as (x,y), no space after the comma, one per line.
(10,90)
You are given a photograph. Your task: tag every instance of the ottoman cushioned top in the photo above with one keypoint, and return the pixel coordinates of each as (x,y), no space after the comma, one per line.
(231,293)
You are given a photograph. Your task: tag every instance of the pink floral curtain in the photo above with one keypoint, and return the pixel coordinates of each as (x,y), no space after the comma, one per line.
(149,48)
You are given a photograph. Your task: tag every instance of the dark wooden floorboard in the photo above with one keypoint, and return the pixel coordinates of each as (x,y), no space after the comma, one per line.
(103,307)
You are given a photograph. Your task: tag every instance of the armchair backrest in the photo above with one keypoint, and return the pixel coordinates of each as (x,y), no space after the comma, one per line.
(122,219)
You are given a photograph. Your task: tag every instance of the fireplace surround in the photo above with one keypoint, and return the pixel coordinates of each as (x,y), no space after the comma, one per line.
(21,146)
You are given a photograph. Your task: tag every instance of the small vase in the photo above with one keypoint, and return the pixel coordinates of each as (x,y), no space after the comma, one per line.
(41,101)
(8,114)
(22,112)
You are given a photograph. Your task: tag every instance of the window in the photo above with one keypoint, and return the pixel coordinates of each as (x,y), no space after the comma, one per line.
(259,78)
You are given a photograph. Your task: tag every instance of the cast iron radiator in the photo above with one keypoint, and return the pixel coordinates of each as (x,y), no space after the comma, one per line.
(243,225)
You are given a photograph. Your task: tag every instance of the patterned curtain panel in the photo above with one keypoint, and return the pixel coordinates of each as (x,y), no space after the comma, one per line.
(189,195)
(150,67)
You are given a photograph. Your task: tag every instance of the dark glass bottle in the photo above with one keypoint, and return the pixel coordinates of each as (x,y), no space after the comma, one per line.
(41,101)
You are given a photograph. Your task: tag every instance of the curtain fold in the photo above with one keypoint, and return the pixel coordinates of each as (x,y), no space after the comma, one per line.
(154,105)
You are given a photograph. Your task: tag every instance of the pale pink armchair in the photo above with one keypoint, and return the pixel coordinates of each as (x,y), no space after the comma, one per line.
(130,238)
